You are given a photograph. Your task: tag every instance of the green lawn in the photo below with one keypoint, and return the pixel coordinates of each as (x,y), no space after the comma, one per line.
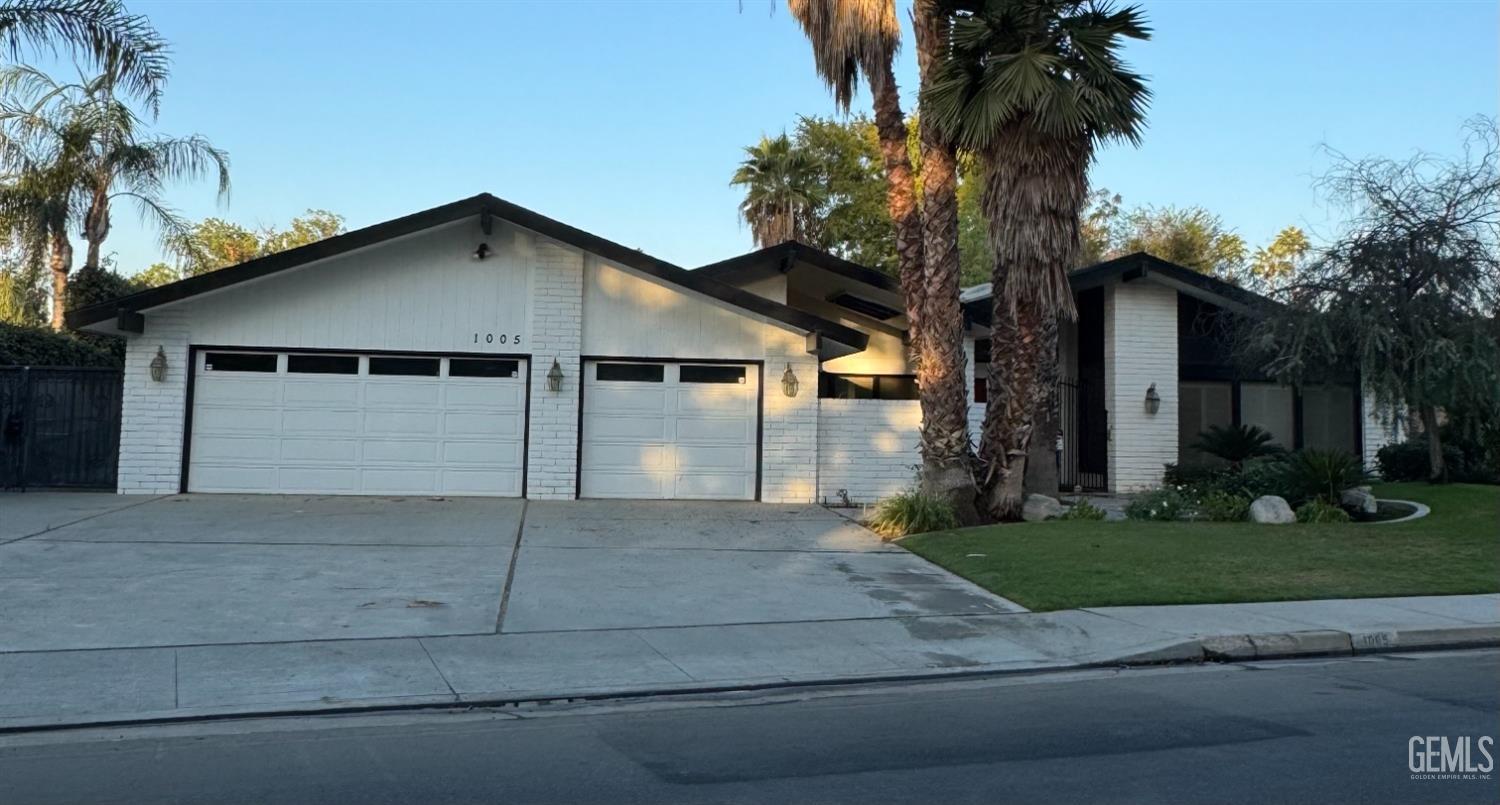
(1066,564)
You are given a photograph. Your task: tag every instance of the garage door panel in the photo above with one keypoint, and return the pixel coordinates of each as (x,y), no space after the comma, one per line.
(236,448)
(357,434)
(320,394)
(239,390)
(402,423)
(487,394)
(318,421)
(399,451)
(480,452)
(216,419)
(462,423)
(316,450)
(669,439)
(716,429)
(402,394)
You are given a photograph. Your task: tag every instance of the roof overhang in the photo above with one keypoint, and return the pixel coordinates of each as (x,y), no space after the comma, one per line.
(783,256)
(125,314)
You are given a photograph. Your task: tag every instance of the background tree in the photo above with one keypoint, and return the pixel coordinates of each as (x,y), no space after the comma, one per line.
(1031,87)
(1279,261)
(852,218)
(781,190)
(214,243)
(1188,236)
(1409,294)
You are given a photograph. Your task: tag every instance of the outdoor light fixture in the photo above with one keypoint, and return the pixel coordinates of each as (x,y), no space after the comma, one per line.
(1153,400)
(788,382)
(554,377)
(159,365)
(482,252)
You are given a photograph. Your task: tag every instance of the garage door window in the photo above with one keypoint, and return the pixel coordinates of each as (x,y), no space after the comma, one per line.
(713,374)
(410,367)
(239,362)
(632,372)
(482,367)
(323,364)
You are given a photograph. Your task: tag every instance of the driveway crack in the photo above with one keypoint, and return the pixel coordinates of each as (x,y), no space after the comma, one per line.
(439,671)
(510,573)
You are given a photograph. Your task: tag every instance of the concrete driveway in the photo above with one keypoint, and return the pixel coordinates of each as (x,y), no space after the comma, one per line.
(85,571)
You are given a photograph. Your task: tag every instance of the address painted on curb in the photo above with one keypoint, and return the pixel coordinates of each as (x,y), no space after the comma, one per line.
(1371,640)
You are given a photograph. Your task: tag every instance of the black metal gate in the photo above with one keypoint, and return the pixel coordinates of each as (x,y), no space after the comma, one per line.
(59,427)
(1084,462)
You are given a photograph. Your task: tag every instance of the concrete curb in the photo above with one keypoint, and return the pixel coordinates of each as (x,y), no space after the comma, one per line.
(1218,648)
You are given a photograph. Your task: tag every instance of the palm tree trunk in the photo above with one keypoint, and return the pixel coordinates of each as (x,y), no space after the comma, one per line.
(947,465)
(60,261)
(1035,187)
(900,193)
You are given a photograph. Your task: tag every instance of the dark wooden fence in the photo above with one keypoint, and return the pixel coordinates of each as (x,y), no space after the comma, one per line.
(59,427)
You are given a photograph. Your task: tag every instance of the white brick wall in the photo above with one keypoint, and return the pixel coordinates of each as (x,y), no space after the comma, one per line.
(867,447)
(1140,348)
(789,432)
(151,412)
(557,333)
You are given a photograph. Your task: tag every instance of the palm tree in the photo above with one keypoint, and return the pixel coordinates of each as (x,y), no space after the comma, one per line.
(1032,87)
(75,149)
(854,37)
(782,189)
(102,30)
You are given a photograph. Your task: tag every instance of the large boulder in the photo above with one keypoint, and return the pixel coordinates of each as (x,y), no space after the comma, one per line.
(1040,507)
(1271,509)
(1359,500)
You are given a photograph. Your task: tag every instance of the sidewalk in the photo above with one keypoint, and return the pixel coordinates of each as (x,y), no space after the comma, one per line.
(73,688)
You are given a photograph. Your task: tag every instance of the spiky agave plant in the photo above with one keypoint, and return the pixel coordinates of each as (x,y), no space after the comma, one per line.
(1237,444)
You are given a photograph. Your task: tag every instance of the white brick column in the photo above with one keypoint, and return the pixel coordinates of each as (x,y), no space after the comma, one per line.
(151,412)
(1140,348)
(789,433)
(556,333)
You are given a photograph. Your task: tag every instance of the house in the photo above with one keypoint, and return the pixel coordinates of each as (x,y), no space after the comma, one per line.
(481,348)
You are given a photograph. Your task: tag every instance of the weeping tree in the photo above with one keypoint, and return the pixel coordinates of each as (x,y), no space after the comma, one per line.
(1409,295)
(782,190)
(859,38)
(1033,88)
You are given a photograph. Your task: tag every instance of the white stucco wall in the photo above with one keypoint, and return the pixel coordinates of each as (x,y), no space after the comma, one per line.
(1140,348)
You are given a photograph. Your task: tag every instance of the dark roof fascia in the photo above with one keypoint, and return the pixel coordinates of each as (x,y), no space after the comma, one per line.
(1140,265)
(476,205)
(781,255)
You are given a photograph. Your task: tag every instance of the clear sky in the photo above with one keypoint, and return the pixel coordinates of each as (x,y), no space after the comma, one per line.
(626,118)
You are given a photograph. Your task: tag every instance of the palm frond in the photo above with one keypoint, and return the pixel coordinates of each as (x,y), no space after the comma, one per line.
(102,30)
(849,36)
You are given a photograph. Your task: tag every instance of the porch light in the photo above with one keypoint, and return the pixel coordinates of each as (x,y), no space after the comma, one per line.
(554,377)
(1153,400)
(788,382)
(159,365)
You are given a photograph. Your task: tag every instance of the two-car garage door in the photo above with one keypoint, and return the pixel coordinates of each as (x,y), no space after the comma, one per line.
(357,424)
(669,430)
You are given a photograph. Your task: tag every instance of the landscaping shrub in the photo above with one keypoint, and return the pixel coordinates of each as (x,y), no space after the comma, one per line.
(1197,475)
(1468,460)
(39,346)
(1083,510)
(1317,511)
(912,512)
(1320,475)
(1262,476)
(1236,444)
(1219,506)
(1158,504)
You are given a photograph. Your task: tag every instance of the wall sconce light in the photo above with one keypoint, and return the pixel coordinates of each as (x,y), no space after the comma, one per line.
(159,365)
(482,252)
(1153,400)
(789,382)
(554,377)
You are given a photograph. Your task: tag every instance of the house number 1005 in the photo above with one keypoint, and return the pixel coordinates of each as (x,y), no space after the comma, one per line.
(503,338)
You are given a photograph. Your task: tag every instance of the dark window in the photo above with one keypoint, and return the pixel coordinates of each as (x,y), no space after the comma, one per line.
(483,367)
(981,390)
(631,372)
(692,373)
(422,367)
(867,387)
(323,364)
(240,362)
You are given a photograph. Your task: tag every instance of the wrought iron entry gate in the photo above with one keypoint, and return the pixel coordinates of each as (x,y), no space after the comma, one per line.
(1084,462)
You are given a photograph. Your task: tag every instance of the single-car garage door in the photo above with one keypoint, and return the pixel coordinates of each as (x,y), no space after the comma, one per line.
(669,430)
(357,424)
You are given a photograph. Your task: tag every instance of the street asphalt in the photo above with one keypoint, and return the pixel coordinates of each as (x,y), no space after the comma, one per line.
(1334,730)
